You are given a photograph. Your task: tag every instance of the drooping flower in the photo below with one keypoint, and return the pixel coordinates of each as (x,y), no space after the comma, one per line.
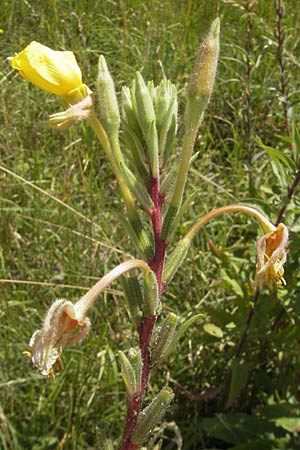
(271,253)
(53,71)
(62,327)
(56,72)
(66,322)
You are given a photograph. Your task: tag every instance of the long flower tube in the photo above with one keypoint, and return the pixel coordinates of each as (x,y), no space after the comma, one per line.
(66,322)
(271,248)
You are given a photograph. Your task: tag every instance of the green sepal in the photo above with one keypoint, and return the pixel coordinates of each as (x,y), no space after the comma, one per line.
(151,296)
(135,358)
(108,108)
(175,260)
(151,415)
(164,337)
(128,374)
(137,188)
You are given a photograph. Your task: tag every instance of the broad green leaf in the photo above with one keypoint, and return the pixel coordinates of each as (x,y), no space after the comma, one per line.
(238,428)
(213,330)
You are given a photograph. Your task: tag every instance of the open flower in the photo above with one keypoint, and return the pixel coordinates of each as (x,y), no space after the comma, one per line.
(271,253)
(58,73)
(53,71)
(62,326)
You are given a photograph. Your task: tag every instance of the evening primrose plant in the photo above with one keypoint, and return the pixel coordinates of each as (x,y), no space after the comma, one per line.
(153,196)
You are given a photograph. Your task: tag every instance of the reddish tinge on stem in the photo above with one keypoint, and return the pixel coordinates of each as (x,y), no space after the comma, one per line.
(145,329)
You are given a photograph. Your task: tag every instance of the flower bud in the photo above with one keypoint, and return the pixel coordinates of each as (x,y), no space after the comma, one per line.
(147,121)
(151,415)
(202,79)
(107,100)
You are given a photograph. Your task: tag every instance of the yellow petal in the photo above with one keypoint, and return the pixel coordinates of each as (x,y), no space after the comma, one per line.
(53,71)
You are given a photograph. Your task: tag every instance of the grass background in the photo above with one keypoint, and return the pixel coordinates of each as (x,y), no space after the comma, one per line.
(70,246)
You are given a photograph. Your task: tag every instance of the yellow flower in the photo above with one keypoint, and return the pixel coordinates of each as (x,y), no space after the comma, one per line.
(53,71)
(271,257)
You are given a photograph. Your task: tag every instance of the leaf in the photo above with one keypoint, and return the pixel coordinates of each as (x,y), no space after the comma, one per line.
(213,330)
(238,380)
(285,415)
(277,155)
(291,424)
(296,143)
(238,428)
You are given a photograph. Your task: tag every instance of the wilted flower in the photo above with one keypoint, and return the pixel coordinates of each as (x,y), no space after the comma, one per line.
(271,253)
(66,323)
(79,111)
(61,327)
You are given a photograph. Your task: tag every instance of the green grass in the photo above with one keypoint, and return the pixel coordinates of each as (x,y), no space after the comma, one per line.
(42,240)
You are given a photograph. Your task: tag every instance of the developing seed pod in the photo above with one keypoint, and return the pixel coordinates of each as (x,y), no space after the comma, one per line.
(151,297)
(135,359)
(128,374)
(164,338)
(151,415)
(175,260)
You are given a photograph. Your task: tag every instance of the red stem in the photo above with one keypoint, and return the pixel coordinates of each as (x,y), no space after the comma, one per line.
(145,329)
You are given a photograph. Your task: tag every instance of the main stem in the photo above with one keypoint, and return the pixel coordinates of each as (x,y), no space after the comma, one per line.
(145,329)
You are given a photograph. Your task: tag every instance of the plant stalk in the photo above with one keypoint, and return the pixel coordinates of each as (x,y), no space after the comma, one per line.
(145,329)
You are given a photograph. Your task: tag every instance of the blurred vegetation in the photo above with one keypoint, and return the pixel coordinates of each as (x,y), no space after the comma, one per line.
(247,151)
